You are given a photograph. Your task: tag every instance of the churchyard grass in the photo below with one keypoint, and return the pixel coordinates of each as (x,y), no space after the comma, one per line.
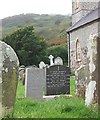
(62,107)
(72,85)
(20,90)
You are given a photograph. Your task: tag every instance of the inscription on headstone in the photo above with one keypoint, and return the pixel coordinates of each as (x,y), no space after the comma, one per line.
(33,83)
(57,80)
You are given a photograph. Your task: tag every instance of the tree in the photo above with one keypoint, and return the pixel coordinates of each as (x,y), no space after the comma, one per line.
(61,51)
(30,48)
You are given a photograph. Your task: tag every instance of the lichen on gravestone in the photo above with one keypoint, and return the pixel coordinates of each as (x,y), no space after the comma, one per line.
(9,64)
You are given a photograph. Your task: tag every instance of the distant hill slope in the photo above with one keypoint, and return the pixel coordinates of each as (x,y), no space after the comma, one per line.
(51,27)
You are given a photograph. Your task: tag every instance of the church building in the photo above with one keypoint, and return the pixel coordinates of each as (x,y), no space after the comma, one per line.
(83,44)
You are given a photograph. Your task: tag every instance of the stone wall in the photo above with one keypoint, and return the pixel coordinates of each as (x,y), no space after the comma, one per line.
(9,64)
(86,68)
(82,34)
(0,29)
(82,10)
(98,69)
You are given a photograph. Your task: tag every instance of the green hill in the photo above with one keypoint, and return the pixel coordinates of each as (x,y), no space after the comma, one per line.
(48,26)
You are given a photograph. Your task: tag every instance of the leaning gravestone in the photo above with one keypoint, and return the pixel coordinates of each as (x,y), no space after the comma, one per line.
(9,64)
(57,80)
(33,83)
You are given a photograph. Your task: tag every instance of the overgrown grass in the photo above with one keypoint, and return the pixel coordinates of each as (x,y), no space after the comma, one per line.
(20,90)
(72,85)
(62,107)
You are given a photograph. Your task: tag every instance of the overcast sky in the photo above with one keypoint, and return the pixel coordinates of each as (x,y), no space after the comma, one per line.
(15,7)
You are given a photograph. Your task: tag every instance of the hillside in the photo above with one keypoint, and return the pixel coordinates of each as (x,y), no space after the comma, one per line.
(51,27)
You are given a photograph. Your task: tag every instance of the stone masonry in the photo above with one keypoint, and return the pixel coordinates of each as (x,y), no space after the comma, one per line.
(83,36)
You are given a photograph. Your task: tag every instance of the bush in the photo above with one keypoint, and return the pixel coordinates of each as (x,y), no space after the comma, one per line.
(60,50)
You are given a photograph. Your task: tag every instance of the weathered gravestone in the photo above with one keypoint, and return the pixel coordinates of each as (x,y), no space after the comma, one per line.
(58,61)
(9,64)
(33,83)
(57,80)
(42,65)
(51,60)
(22,74)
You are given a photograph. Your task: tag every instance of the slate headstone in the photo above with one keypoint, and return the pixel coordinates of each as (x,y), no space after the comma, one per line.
(57,80)
(9,64)
(33,83)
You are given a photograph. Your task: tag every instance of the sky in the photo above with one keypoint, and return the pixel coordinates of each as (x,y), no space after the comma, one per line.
(16,7)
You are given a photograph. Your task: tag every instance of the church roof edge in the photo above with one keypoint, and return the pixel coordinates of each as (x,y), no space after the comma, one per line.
(92,16)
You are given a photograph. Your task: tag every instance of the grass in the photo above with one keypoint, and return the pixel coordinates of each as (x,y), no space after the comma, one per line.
(20,90)
(72,85)
(62,107)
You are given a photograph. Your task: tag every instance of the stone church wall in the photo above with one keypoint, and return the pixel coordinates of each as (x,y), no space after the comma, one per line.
(86,68)
(82,34)
(82,10)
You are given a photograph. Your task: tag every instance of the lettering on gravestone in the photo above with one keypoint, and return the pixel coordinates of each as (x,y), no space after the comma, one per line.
(57,80)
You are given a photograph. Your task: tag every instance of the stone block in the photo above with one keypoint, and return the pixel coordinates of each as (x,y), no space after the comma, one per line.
(57,80)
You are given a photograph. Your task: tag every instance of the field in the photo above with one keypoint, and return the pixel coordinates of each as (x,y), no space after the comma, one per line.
(62,107)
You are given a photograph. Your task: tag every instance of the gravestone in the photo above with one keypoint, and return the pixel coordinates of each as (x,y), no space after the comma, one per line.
(22,74)
(57,80)
(33,83)
(9,64)
(42,65)
(58,61)
(51,60)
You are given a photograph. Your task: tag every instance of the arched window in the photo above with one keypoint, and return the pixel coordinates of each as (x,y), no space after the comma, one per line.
(78,51)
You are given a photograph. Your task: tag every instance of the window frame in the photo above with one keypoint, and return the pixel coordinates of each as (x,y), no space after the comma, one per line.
(76,4)
(78,48)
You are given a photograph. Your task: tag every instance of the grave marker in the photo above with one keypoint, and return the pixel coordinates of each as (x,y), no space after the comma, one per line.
(9,64)
(57,80)
(33,83)
(51,60)
(42,65)
(58,61)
